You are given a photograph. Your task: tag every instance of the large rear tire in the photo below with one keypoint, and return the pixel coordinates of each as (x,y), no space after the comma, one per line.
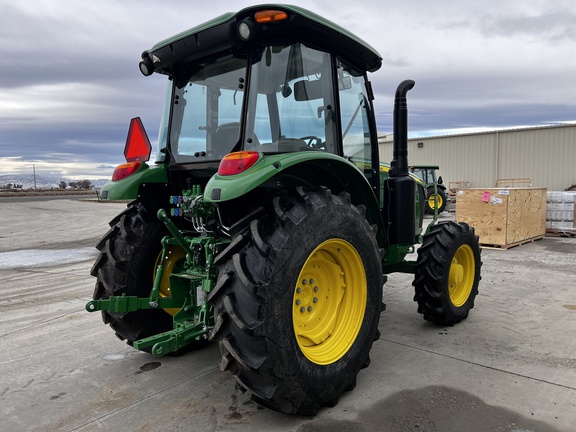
(447,273)
(298,300)
(129,254)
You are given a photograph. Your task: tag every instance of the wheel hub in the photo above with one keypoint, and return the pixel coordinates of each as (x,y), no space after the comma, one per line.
(307,295)
(171,263)
(461,276)
(329,301)
(433,199)
(316,308)
(456,274)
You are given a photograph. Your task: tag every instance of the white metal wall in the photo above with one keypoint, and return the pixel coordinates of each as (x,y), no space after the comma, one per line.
(546,155)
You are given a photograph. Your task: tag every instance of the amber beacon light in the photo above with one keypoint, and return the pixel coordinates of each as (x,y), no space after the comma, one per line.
(268,16)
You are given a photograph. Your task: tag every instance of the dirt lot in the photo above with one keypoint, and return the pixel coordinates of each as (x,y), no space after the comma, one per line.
(511,366)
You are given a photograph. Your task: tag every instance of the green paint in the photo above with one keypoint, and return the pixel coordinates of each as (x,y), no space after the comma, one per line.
(189,287)
(127,189)
(269,166)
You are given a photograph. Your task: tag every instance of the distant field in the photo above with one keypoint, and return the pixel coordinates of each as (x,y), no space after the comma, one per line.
(45,192)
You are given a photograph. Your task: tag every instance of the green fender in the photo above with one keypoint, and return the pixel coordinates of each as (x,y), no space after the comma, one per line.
(307,168)
(127,189)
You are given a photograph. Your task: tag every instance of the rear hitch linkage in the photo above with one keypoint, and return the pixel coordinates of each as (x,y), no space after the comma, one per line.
(188,287)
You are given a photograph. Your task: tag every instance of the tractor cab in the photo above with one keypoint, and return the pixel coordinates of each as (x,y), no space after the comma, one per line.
(283,83)
(279,99)
(426,173)
(263,82)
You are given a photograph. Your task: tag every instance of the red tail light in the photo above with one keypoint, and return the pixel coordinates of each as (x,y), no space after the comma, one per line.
(125,170)
(137,148)
(237,162)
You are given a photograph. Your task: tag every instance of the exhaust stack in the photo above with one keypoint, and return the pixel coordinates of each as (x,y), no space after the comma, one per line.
(400,188)
(399,164)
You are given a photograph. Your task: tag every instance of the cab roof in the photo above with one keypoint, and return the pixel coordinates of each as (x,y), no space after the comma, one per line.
(220,34)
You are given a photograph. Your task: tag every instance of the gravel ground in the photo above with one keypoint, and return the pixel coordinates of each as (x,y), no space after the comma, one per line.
(509,367)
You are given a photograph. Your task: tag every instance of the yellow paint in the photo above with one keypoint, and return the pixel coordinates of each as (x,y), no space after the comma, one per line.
(461,277)
(329,301)
(175,256)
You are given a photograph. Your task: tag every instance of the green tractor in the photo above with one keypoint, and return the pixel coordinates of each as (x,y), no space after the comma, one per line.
(436,199)
(266,223)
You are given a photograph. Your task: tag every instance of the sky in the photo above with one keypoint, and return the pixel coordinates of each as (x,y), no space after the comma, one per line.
(70,83)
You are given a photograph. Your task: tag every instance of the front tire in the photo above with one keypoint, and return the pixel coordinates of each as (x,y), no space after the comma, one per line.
(447,273)
(298,300)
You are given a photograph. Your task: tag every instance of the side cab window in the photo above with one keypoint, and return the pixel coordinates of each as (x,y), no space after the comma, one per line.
(354,116)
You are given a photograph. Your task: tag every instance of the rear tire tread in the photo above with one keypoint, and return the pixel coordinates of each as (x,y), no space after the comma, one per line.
(242,291)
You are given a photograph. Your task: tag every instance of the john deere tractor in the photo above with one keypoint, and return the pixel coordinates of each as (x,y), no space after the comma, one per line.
(266,223)
(436,199)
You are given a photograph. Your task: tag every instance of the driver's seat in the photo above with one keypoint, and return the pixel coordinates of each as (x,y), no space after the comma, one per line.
(227,136)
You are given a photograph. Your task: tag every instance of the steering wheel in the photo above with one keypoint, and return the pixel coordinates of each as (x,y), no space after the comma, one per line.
(312,141)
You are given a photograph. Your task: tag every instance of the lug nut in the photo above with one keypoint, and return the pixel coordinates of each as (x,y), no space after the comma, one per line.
(298,290)
(298,302)
(309,308)
(316,289)
(311,281)
(304,281)
(315,300)
(302,309)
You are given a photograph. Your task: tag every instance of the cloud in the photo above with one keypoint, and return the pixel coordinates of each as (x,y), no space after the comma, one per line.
(70,81)
(551,27)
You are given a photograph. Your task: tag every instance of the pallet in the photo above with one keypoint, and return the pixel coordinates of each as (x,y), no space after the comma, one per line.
(510,245)
(513,182)
(561,232)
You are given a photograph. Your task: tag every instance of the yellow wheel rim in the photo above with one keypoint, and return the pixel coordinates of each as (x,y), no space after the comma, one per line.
(329,301)
(171,261)
(431,201)
(461,278)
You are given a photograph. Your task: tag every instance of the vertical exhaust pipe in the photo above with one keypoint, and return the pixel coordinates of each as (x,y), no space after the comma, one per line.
(399,164)
(400,189)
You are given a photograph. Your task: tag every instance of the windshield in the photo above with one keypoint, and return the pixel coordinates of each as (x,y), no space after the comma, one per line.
(291,101)
(426,175)
(207,109)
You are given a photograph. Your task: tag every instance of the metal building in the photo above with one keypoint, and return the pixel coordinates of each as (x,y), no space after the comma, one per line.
(546,155)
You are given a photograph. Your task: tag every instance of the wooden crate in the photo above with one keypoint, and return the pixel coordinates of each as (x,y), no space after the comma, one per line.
(503,217)
(453,187)
(513,183)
